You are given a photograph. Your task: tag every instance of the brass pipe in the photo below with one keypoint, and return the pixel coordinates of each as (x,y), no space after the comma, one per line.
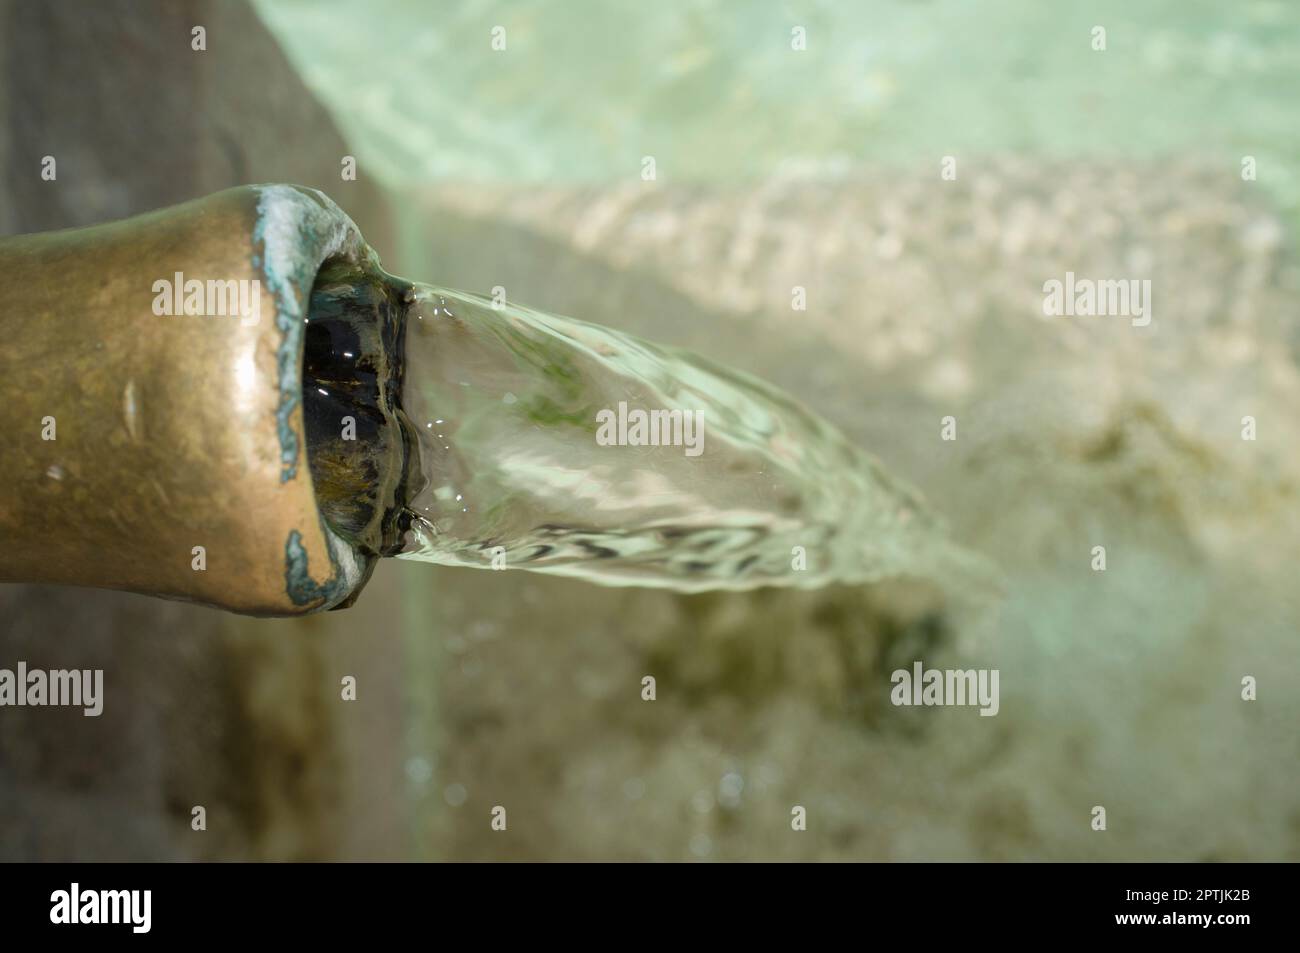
(160,452)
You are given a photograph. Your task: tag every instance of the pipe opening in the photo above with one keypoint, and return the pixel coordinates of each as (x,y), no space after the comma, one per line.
(358,445)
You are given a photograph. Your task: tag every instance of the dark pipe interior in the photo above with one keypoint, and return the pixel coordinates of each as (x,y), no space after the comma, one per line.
(352,372)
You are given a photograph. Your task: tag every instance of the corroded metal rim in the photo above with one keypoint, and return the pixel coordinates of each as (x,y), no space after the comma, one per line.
(298,230)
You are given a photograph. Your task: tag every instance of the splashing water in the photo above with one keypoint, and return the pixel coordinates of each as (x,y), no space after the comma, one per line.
(550,444)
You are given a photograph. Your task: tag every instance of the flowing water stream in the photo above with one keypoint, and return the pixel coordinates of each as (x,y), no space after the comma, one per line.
(538,442)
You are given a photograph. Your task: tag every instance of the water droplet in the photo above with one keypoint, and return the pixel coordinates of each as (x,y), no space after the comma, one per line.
(730,788)
(418,770)
(634,789)
(701,845)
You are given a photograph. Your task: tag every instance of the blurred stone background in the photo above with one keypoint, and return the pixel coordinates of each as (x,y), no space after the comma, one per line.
(1119,688)
(477,689)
